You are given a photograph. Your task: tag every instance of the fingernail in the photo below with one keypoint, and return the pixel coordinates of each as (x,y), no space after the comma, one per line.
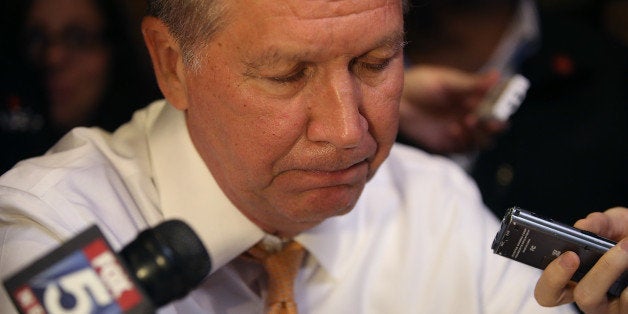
(567,262)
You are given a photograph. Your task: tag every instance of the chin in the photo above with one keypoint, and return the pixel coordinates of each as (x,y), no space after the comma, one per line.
(324,206)
(300,218)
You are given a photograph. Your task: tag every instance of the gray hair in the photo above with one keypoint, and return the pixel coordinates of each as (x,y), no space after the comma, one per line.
(191,22)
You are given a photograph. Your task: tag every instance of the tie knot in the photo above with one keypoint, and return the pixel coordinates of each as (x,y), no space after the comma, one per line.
(265,249)
(282,266)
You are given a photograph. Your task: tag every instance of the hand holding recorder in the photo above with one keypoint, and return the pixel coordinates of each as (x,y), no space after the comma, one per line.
(589,293)
(582,264)
(445,110)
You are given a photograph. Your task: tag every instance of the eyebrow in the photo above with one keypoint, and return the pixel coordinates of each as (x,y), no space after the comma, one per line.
(273,55)
(395,41)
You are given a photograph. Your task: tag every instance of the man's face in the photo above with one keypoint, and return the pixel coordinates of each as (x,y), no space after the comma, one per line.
(295,105)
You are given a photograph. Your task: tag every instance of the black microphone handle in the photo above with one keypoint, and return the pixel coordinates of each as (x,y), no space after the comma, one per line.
(168,261)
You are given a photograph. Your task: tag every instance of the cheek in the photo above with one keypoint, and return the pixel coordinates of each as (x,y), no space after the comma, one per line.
(383,124)
(382,112)
(382,108)
(92,76)
(242,132)
(95,67)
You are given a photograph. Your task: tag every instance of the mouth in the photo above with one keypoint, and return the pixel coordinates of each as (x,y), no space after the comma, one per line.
(337,170)
(311,179)
(58,91)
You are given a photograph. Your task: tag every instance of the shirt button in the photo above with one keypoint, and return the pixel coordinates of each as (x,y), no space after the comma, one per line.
(504,174)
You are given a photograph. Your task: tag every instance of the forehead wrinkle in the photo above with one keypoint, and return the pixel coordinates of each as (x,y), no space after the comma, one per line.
(273,55)
(325,9)
(280,53)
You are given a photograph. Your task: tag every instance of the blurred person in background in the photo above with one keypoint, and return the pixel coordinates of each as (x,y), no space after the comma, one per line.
(564,152)
(76,64)
(615,20)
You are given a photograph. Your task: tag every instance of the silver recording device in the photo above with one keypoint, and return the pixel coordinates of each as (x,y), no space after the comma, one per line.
(536,241)
(503,99)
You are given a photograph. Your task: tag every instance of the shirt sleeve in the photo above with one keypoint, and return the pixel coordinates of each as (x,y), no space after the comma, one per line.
(20,244)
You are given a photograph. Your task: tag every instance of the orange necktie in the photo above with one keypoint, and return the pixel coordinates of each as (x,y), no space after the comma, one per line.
(282,268)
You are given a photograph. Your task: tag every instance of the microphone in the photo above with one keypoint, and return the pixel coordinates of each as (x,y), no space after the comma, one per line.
(84,275)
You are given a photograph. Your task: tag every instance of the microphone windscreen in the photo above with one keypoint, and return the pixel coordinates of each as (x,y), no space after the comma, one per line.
(168,261)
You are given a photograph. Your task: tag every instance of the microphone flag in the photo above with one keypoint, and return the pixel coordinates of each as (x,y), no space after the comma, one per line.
(84,275)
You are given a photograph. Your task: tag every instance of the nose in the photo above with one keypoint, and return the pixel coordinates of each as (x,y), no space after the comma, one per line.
(335,115)
(55,55)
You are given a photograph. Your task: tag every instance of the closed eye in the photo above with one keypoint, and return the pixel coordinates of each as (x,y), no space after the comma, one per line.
(290,78)
(376,67)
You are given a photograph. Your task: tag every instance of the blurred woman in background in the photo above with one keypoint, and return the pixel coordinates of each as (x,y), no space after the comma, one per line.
(80,57)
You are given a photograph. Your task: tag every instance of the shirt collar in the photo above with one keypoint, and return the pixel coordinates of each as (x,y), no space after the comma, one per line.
(337,240)
(188,191)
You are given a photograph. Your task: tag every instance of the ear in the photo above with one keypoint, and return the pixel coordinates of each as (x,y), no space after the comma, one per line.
(167,59)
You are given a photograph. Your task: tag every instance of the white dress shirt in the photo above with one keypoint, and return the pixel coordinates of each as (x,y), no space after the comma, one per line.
(418,240)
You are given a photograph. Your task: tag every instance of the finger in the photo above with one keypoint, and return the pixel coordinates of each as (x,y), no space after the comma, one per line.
(492,126)
(472,89)
(437,79)
(591,293)
(612,224)
(618,223)
(458,135)
(594,222)
(554,286)
(489,79)
(479,88)
(622,302)
(484,130)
